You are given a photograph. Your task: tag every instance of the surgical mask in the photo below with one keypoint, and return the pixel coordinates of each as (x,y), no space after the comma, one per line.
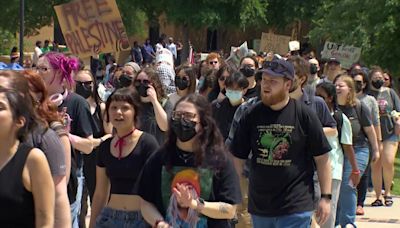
(248,71)
(234,96)
(377,84)
(358,85)
(182,83)
(142,89)
(185,130)
(84,90)
(313,69)
(124,81)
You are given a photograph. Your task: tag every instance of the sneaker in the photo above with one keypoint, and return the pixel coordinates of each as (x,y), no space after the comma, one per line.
(360,210)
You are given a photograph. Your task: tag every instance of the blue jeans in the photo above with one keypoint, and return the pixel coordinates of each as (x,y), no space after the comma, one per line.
(297,220)
(110,218)
(346,211)
(76,206)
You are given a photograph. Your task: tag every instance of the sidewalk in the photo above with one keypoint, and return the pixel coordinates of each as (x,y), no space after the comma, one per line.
(380,217)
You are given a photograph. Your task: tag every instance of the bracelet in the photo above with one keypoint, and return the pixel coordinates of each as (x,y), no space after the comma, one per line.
(356,172)
(326,196)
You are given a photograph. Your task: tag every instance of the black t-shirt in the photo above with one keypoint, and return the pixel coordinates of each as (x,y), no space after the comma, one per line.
(283,144)
(223,114)
(358,122)
(79,114)
(253,92)
(124,173)
(215,186)
(148,122)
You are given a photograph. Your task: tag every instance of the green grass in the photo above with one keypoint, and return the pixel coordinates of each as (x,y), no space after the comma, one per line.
(396,187)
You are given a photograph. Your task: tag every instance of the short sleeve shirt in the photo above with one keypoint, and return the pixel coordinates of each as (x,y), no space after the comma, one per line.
(283,144)
(158,177)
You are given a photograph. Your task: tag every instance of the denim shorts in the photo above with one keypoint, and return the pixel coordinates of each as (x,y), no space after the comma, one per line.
(110,218)
(297,220)
(393,138)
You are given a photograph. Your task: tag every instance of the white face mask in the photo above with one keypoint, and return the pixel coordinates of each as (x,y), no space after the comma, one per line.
(234,96)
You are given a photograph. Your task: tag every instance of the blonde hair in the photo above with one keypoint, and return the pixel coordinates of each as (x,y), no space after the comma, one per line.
(351,97)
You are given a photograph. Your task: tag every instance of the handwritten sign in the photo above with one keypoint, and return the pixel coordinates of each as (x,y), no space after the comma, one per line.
(276,43)
(92,26)
(345,53)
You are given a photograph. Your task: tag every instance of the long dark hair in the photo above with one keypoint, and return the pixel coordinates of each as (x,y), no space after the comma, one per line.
(330,90)
(209,148)
(364,76)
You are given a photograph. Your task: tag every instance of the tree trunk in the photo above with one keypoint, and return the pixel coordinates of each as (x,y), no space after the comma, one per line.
(154,30)
(185,42)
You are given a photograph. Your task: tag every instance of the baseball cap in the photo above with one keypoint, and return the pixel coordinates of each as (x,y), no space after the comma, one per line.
(333,60)
(278,68)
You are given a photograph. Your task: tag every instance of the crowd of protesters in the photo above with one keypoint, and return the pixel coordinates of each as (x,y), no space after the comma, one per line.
(272,142)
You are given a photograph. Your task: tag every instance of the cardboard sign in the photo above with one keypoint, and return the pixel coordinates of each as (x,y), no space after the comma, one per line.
(276,43)
(345,53)
(237,53)
(92,26)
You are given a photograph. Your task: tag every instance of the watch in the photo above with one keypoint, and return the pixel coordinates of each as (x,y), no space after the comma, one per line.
(326,196)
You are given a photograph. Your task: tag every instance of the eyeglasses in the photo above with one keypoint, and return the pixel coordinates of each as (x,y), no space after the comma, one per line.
(42,69)
(213,62)
(187,116)
(87,83)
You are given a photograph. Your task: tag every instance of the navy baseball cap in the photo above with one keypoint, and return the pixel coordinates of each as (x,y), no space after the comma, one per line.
(278,68)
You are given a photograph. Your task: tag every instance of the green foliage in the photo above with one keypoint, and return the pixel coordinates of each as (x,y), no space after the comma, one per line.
(372,25)
(7,41)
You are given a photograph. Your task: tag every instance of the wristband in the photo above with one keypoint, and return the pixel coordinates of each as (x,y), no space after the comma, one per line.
(356,172)
(200,205)
(326,196)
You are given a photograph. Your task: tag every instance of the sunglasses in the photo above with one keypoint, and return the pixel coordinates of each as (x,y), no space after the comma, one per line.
(213,62)
(87,83)
(144,82)
(187,116)
(222,78)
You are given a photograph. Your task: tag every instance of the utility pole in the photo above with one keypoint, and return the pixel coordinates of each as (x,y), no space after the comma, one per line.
(21,31)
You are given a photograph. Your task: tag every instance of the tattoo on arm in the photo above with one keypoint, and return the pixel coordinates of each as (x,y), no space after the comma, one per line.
(223,208)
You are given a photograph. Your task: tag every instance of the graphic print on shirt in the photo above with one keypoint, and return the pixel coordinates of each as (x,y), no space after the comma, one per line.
(383,106)
(200,184)
(273,145)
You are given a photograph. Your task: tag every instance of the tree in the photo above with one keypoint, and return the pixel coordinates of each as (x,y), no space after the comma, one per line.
(372,25)
(214,14)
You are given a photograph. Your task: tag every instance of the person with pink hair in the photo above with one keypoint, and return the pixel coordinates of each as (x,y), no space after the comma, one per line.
(57,71)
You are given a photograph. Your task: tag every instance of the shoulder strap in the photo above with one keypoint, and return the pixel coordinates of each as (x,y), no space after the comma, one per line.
(338,116)
(359,115)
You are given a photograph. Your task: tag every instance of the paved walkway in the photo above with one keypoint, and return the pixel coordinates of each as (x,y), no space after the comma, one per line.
(380,217)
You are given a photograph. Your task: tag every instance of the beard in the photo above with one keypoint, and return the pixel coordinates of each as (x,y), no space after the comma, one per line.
(272,99)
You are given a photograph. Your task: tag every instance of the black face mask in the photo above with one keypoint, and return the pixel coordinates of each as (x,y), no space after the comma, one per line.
(313,69)
(184,130)
(124,81)
(84,91)
(142,89)
(247,71)
(358,85)
(377,84)
(181,83)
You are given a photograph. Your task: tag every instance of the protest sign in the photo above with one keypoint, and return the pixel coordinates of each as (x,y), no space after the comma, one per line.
(276,43)
(347,55)
(92,26)
(237,53)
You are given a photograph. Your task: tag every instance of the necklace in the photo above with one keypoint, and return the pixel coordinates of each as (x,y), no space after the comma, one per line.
(121,143)
(185,156)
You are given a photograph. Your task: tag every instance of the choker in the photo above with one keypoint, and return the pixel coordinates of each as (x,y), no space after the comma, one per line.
(121,143)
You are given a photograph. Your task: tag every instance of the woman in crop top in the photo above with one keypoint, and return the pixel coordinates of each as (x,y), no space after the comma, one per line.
(27,190)
(119,163)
